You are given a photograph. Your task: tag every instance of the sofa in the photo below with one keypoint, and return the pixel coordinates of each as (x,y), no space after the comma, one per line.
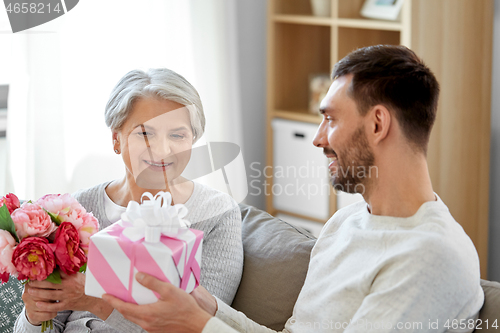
(276,261)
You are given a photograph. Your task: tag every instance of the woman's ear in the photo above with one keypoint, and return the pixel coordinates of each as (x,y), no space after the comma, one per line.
(116,142)
(381,120)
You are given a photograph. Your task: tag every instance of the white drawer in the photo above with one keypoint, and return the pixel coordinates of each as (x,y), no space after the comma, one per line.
(300,170)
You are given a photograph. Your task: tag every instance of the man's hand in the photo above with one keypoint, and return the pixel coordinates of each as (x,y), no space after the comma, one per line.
(175,311)
(69,295)
(205,300)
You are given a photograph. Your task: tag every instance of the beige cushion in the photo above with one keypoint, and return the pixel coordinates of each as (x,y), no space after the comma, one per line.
(491,307)
(276,262)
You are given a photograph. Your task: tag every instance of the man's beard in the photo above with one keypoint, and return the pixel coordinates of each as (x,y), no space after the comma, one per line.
(353,177)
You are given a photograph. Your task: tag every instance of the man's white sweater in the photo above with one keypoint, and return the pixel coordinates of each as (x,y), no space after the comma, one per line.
(373,273)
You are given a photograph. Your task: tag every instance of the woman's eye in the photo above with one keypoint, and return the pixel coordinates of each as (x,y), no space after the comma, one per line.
(144,134)
(178,136)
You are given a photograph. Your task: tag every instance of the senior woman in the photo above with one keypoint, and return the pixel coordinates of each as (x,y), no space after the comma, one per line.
(155,117)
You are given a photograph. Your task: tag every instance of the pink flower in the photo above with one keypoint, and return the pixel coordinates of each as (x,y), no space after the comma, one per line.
(31,220)
(7,244)
(34,259)
(89,227)
(11,201)
(67,209)
(64,207)
(66,246)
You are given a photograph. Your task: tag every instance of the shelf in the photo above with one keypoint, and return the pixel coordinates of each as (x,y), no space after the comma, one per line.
(340,22)
(351,9)
(368,24)
(303,19)
(353,38)
(303,116)
(300,51)
(293,7)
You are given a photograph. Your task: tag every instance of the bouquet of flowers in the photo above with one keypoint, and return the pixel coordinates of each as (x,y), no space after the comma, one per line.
(39,239)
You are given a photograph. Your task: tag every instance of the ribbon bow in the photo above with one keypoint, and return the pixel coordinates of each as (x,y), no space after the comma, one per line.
(154,217)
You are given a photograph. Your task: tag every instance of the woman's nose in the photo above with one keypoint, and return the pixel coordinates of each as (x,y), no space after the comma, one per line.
(161,148)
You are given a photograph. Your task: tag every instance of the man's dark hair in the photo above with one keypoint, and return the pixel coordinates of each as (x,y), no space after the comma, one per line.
(393,76)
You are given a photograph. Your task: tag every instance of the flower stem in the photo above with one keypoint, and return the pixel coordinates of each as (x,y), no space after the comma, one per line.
(46,325)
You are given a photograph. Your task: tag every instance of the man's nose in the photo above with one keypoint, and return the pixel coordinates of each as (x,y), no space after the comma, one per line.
(320,138)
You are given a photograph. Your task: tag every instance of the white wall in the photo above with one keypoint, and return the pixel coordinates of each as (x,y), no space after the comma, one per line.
(5,47)
(494,244)
(252,20)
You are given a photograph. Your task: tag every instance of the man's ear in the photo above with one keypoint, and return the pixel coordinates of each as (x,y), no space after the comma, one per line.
(380,123)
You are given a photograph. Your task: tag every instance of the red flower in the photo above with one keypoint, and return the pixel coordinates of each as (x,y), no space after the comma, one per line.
(11,201)
(4,277)
(34,259)
(69,256)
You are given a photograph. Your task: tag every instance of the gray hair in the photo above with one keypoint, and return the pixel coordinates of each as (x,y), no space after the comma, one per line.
(158,83)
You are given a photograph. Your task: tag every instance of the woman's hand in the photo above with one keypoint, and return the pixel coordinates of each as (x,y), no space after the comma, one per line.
(34,314)
(69,295)
(175,311)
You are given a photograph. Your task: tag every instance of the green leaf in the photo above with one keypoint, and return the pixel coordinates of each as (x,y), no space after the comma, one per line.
(53,218)
(55,277)
(6,222)
(83,269)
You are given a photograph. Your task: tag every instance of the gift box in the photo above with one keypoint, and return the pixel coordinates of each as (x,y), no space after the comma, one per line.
(152,238)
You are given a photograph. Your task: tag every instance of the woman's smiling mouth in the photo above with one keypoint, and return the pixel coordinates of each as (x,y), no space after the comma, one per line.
(161,165)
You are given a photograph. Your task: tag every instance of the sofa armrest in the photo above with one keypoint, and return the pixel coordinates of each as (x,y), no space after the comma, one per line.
(490,312)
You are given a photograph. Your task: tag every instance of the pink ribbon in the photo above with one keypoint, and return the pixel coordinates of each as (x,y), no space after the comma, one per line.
(138,250)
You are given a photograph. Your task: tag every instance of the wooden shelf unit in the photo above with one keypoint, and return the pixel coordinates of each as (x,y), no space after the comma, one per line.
(454,37)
